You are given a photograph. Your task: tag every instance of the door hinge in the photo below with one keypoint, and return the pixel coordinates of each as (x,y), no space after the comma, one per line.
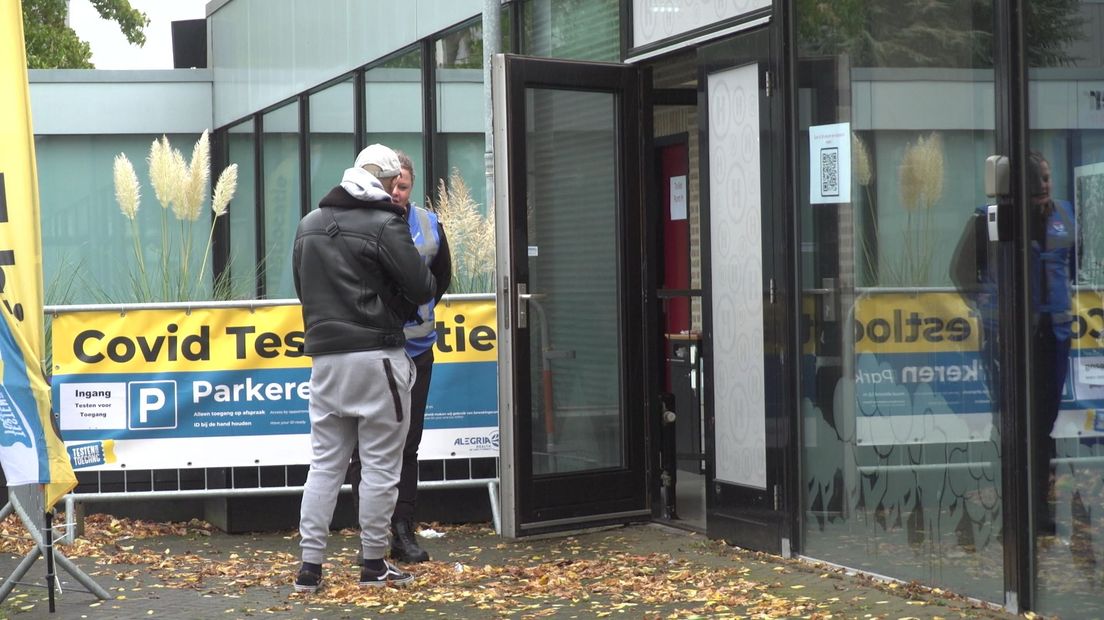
(770,291)
(777,498)
(767,80)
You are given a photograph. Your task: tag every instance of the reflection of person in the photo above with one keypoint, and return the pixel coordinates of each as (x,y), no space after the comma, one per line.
(1052,259)
(421,335)
(1051,272)
(359,278)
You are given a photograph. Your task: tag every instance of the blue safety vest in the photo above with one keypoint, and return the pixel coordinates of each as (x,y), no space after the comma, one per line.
(420,337)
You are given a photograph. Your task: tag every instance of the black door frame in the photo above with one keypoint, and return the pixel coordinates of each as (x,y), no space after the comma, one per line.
(752,518)
(573,500)
(1011,96)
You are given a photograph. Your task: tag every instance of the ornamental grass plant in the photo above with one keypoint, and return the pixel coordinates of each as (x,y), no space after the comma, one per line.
(180,188)
(471,236)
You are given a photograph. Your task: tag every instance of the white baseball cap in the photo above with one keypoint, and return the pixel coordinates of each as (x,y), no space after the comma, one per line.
(382,157)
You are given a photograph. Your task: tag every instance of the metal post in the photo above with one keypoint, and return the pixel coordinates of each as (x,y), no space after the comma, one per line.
(492,37)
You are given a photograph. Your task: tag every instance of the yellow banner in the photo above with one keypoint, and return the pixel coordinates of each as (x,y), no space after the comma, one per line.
(216,339)
(42,458)
(466,332)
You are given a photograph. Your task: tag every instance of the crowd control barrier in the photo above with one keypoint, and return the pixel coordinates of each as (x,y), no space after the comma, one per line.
(209,399)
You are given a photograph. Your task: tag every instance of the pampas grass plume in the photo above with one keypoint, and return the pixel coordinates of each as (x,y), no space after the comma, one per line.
(163,174)
(127,191)
(225,187)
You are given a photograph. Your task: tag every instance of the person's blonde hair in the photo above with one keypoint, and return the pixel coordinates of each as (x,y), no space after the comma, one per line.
(406,163)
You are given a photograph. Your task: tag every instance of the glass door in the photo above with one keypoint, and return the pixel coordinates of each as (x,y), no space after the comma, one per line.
(568,217)
(742,317)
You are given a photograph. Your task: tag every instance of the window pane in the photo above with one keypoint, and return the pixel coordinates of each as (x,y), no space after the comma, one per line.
(1066,179)
(281,198)
(570,29)
(242,265)
(577,420)
(331,137)
(79,211)
(394,95)
(460,116)
(901,456)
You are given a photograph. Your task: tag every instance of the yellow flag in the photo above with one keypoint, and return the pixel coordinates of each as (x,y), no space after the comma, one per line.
(30,449)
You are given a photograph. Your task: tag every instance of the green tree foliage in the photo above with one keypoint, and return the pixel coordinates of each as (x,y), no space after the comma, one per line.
(931,33)
(52,44)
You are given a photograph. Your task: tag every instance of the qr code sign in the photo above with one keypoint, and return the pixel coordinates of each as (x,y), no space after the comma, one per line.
(829,172)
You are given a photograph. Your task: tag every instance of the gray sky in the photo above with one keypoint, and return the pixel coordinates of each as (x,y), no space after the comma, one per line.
(110,49)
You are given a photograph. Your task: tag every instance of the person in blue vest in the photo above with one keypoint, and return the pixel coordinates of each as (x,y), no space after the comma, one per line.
(421,336)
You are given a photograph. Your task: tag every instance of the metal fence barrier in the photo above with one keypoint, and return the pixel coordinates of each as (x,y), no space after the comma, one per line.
(178,484)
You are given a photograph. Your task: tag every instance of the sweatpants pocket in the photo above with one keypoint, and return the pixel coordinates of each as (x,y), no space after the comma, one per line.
(395,398)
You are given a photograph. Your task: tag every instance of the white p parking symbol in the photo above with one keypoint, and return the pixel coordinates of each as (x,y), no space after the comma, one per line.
(149,399)
(151,405)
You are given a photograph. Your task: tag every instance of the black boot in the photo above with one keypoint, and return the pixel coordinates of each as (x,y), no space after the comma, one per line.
(404,544)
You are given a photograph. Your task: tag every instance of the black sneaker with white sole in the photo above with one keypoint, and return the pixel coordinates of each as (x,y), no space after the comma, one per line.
(309,578)
(389,575)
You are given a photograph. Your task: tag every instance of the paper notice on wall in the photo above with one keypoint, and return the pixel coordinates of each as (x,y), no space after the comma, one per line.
(830,163)
(1090,370)
(678,198)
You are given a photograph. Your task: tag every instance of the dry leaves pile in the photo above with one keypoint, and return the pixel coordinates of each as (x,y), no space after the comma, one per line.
(594,580)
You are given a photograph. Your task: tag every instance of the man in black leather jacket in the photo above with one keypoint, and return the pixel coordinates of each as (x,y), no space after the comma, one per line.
(359,278)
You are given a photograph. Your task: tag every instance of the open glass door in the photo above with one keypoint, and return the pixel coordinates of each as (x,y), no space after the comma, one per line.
(745,415)
(568,220)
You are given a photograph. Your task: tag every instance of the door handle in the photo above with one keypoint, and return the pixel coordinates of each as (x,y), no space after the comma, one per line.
(523,299)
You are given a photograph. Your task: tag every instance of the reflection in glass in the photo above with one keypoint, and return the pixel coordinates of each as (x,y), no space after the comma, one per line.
(461,141)
(574,325)
(281,198)
(393,92)
(331,137)
(242,263)
(1066,178)
(901,453)
(570,29)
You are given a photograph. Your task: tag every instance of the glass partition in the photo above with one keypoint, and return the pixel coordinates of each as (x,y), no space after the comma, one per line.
(901,462)
(572,30)
(1066,277)
(280,144)
(242,261)
(393,92)
(461,139)
(331,137)
(79,211)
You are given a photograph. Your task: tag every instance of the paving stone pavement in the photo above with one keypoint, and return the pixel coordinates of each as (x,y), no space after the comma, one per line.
(639,571)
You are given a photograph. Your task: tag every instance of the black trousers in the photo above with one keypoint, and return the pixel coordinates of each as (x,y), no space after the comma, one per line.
(1053,355)
(408,479)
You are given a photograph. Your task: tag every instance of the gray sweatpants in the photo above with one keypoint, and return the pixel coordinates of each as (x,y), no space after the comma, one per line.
(355,397)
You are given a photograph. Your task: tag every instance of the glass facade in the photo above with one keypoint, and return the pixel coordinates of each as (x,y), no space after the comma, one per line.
(460,139)
(79,211)
(398,80)
(901,457)
(332,137)
(571,29)
(242,254)
(1065,183)
(282,199)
